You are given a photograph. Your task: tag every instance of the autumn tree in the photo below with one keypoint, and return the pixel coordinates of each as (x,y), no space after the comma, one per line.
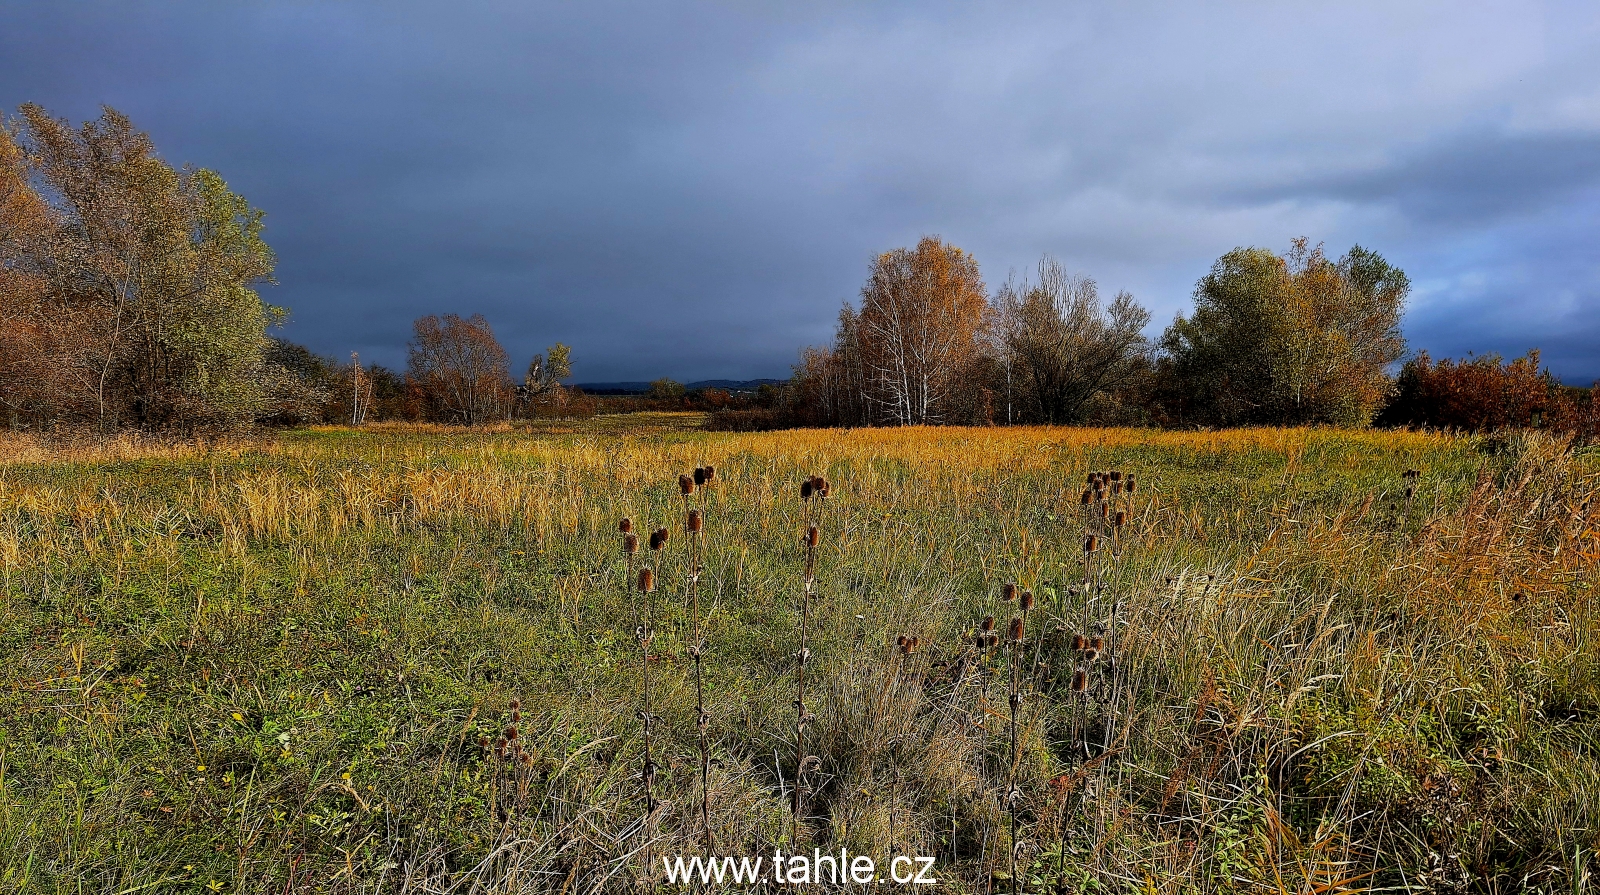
(1061,345)
(148,313)
(1297,339)
(541,385)
(30,352)
(923,313)
(460,368)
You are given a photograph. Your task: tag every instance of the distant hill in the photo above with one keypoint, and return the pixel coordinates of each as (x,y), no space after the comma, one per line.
(639,388)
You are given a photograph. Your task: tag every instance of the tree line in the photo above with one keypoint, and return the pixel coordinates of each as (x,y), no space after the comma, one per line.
(1293,339)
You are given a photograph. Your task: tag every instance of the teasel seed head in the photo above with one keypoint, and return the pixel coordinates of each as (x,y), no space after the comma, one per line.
(711,474)
(1116,475)
(500,747)
(1116,487)
(988,624)
(659,539)
(1090,543)
(1089,655)
(805,490)
(1085,497)
(686,484)
(1027,600)
(647,581)
(1097,643)
(511,733)
(699,475)
(1091,479)
(695,522)
(483,743)
(1080,681)
(625,525)
(813,536)
(1122,518)
(630,543)
(516,703)
(1105,508)
(1128,485)
(1008,591)
(1079,643)
(1016,630)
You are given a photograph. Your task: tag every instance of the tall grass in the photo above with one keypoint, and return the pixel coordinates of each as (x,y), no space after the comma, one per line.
(275,666)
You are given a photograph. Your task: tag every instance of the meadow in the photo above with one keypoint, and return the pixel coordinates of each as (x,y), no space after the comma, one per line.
(408,659)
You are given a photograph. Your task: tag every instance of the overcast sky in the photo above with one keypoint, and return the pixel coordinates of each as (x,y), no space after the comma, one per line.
(692,190)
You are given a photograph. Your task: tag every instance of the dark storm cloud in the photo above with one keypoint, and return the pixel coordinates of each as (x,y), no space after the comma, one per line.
(692,189)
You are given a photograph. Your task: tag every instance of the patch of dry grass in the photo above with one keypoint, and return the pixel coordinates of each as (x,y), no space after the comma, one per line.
(268,666)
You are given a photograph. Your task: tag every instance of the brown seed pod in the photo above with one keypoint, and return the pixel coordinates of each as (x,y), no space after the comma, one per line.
(1122,518)
(1085,497)
(1027,600)
(500,747)
(1116,488)
(1128,485)
(647,581)
(1097,643)
(699,475)
(988,623)
(805,490)
(1090,544)
(625,526)
(686,484)
(630,543)
(1104,509)
(813,536)
(1116,475)
(1016,630)
(511,733)
(1089,655)
(1080,681)
(483,743)
(662,536)
(695,522)
(711,474)
(515,703)
(1078,643)
(1008,592)
(1091,479)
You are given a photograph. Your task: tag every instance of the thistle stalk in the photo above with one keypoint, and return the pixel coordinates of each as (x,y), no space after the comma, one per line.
(694,530)
(813,490)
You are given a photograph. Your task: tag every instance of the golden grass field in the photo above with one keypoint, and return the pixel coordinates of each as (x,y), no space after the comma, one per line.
(272,665)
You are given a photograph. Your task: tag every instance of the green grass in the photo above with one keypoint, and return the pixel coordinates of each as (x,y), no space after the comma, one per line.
(266,667)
